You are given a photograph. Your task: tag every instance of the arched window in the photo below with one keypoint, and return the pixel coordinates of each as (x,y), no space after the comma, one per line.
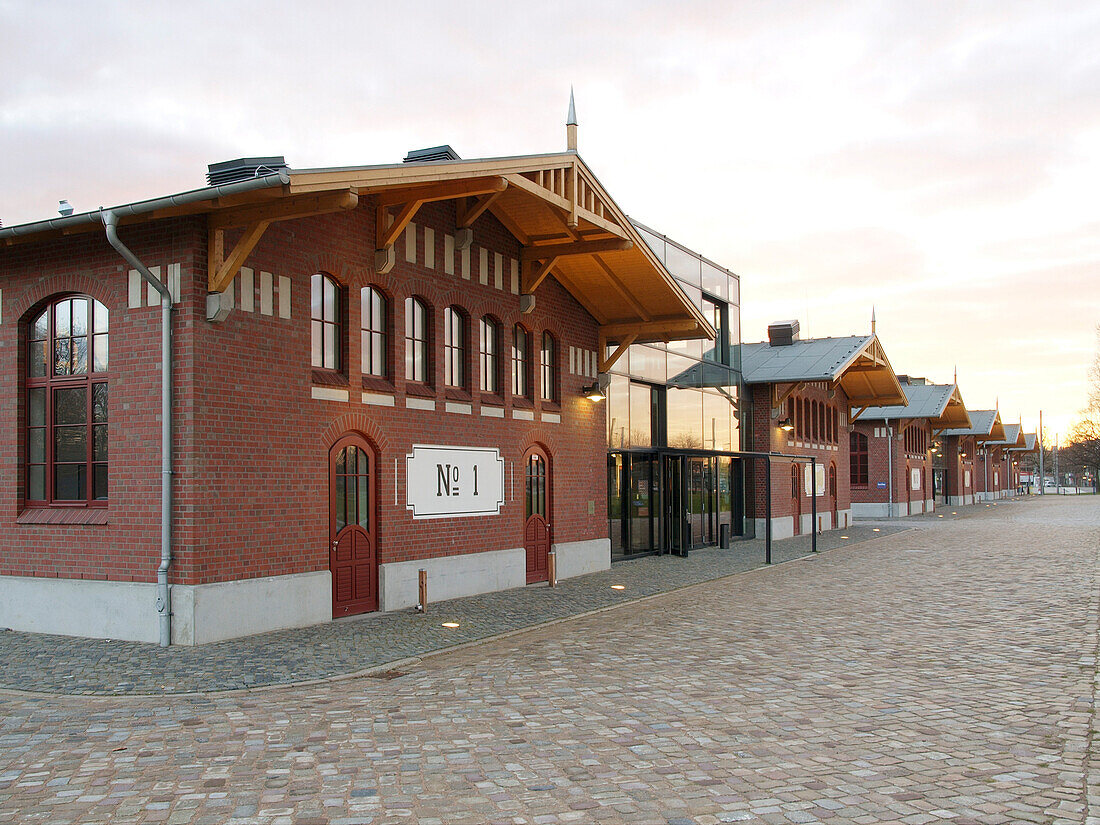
(454,347)
(326,338)
(549,368)
(375,337)
(815,420)
(521,360)
(804,419)
(836,426)
(858,459)
(416,340)
(832,481)
(490,356)
(66,381)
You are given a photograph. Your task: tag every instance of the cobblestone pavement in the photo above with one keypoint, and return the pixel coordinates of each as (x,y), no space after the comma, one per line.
(59,664)
(942,674)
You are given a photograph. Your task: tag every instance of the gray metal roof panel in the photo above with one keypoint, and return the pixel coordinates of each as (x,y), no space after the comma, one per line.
(1012,435)
(981,421)
(925,401)
(815,359)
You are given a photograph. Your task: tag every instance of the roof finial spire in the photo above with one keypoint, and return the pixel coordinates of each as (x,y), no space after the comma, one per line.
(571,125)
(872,319)
(956,375)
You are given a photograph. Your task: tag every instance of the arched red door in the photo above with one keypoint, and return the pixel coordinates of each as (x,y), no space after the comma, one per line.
(832,496)
(796,498)
(536,527)
(353,558)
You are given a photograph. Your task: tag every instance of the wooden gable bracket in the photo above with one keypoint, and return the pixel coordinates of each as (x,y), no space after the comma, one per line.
(468,213)
(606,362)
(779,400)
(853,417)
(389,228)
(534,273)
(256,218)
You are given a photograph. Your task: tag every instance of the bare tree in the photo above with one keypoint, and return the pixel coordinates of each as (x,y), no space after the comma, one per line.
(1084,437)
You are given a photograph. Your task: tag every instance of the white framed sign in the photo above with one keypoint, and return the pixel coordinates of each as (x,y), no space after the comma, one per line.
(453,482)
(820,478)
(966,478)
(915,478)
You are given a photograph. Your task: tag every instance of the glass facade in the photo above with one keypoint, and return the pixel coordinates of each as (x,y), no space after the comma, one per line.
(672,409)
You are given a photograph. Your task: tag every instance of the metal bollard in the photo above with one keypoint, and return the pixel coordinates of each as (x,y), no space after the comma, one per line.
(552,568)
(422,587)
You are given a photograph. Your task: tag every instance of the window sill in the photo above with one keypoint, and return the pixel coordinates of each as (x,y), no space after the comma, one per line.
(456,394)
(550,406)
(492,399)
(63,515)
(374,382)
(522,402)
(419,390)
(328,378)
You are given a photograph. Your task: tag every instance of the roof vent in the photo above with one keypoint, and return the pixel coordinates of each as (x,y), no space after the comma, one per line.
(65,208)
(782,333)
(231,171)
(432,153)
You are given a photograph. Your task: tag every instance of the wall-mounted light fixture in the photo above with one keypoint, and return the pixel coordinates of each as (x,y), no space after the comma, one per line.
(598,390)
(786,424)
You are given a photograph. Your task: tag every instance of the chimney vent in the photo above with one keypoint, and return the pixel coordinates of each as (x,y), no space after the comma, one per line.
(231,171)
(433,153)
(65,208)
(782,333)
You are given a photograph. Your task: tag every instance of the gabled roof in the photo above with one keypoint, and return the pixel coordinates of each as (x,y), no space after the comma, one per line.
(567,223)
(1013,439)
(941,404)
(985,426)
(857,363)
(1031,444)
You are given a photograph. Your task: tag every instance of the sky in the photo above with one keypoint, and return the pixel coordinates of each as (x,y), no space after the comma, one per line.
(936,161)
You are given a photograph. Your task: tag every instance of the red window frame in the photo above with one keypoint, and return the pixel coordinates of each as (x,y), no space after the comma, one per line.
(859,459)
(490,355)
(47,439)
(374,325)
(417,340)
(455,327)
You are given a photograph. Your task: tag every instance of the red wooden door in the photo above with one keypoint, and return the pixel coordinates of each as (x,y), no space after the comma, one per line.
(353,557)
(796,498)
(536,527)
(833,497)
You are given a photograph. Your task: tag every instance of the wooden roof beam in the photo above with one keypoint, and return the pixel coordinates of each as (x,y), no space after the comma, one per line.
(561,250)
(779,400)
(613,332)
(448,190)
(283,210)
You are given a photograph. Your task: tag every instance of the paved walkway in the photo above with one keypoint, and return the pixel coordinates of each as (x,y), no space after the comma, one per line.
(61,664)
(946,673)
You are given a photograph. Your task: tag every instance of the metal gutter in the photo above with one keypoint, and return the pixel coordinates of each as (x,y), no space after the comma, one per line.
(281,178)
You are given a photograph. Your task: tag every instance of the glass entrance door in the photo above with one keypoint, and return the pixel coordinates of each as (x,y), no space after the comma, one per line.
(675,521)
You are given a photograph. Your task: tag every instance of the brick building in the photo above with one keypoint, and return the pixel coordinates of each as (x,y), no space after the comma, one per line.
(1001,454)
(964,472)
(374,370)
(804,394)
(891,449)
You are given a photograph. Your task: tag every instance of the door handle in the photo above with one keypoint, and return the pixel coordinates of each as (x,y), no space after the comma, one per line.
(334,543)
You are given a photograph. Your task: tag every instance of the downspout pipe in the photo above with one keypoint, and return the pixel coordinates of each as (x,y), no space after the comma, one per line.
(164,593)
(889,469)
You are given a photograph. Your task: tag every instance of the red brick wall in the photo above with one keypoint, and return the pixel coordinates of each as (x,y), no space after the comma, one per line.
(879,464)
(955,466)
(252,444)
(767,436)
(128,548)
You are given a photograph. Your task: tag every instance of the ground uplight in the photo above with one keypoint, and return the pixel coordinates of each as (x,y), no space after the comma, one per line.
(450,624)
(618,587)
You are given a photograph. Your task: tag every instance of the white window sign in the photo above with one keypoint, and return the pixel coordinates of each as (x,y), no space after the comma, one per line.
(451,482)
(820,479)
(966,480)
(915,475)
